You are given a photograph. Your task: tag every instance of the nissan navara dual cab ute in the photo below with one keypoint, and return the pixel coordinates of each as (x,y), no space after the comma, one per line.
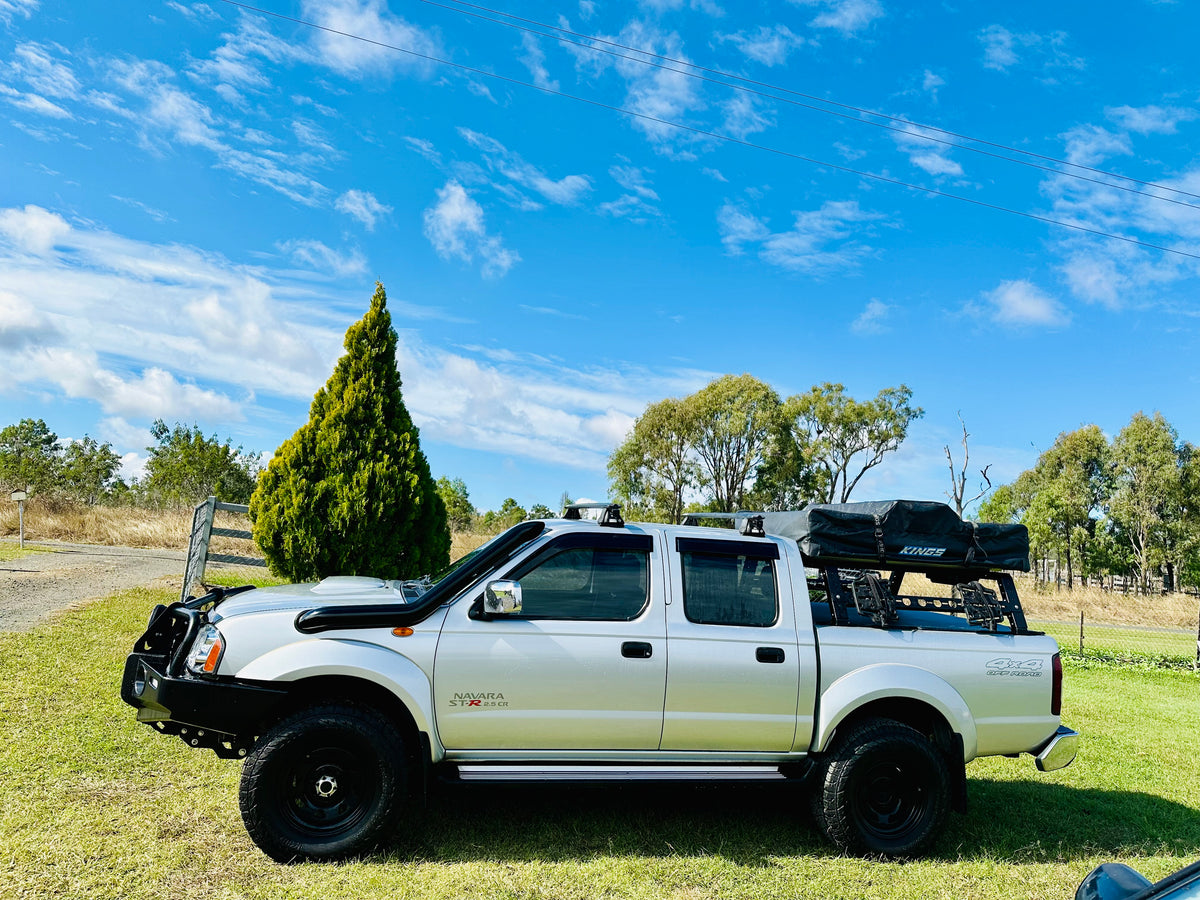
(607,649)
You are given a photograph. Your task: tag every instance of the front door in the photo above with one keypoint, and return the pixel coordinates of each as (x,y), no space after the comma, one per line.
(582,667)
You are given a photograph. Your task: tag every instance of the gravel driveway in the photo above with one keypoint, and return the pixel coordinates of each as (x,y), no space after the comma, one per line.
(61,575)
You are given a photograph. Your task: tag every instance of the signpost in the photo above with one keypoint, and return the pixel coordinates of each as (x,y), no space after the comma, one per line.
(21,496)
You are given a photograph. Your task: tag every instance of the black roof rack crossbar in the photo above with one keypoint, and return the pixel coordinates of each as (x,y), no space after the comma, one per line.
(610,517)
(745,521)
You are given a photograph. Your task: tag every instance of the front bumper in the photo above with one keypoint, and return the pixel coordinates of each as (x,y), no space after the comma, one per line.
(228,707)
(1058,752)
(206,711)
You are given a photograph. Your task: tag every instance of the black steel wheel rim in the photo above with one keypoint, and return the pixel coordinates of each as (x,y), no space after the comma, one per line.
(323,792)
(891,799)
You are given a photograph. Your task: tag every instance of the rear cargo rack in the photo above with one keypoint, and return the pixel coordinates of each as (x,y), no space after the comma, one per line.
(878,600)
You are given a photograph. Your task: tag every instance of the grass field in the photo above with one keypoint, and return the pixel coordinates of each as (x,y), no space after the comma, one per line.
(1136,644)
(94,805)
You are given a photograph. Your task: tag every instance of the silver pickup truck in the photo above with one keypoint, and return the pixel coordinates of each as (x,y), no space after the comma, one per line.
(579,649)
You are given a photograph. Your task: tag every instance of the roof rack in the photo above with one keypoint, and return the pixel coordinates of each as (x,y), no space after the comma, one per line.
(746,522)
(609,518)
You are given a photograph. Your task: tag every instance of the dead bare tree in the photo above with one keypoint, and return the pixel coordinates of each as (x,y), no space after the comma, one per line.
(958,480)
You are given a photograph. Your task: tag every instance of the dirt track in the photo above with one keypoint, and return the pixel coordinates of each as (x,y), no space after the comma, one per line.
(61,575)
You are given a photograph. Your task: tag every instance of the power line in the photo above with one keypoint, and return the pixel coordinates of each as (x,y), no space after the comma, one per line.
(590,42)
(710,134)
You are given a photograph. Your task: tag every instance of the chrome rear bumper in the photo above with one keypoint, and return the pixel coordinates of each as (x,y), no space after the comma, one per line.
(1059,751)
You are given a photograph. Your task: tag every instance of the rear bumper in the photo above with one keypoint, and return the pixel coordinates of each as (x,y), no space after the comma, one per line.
(1058,752)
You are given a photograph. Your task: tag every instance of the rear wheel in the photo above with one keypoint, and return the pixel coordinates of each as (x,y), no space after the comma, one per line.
(882,790)
(326,782)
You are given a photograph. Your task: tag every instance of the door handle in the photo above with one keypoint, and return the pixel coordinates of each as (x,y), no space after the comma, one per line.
(769,654)
(636,650)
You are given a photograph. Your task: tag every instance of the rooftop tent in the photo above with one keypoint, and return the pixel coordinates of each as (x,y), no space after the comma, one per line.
(913,534)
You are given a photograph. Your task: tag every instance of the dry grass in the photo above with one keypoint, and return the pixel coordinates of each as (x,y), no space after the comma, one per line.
(129,526)
(1042,602)
(115,526)
(1109,607)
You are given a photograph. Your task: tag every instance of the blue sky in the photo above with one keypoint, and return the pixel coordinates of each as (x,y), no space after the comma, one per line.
(196,201)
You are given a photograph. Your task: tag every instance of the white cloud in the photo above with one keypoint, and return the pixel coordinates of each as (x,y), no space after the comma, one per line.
(425,148)
(455,228)
(1149,119)
(535,61)
(633,179)
(638,203)
(931,82)
(128,325)
(363,206)
(1047,53)
(21,324)
(873,319)
(529,406)
(311,135)
(33,229)
(132,327)
(10,9)
(930,156)
(318,256)
(193,11)
(846,16)
(819,241)
(35,65)
(658,93)
(81,376)
(500,160)
(162,113)
(1090,144)
(744,115)
(769,45)
(370,18)
(1021,304)
(999,50)
(665,6)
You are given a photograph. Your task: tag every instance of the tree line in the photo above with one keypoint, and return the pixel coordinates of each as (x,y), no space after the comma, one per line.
(736,444)
(1129,506)
(183,466)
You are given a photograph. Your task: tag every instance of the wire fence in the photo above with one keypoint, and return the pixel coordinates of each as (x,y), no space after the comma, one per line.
(1116,623)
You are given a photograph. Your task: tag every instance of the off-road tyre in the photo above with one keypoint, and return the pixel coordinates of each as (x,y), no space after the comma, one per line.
(325,783)
(882,790)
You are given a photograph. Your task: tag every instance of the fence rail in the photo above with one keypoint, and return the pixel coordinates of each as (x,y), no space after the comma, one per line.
(199,543)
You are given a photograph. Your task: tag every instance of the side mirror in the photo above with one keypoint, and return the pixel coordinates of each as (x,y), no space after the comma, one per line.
(1111,881)
(502,598)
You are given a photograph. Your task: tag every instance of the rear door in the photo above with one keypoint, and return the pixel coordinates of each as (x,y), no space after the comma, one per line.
(583,667)
(733,681)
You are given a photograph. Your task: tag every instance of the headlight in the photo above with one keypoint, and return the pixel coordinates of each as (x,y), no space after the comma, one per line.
(206,651)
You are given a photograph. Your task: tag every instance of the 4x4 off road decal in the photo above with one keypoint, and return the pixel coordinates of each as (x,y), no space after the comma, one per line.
(1015,668)
(471,700)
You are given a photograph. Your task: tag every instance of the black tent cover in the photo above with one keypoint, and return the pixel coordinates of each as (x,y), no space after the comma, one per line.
(913,534)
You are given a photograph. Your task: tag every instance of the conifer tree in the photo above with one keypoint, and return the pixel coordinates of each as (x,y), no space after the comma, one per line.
(351,493)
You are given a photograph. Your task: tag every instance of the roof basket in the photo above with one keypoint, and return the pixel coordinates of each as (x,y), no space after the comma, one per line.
(609,518)
(747,523)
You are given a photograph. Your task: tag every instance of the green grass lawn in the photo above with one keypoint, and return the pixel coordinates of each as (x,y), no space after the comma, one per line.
(93,805)
(1109,640)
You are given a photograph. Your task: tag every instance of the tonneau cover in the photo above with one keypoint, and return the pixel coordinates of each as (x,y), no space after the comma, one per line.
(913,534)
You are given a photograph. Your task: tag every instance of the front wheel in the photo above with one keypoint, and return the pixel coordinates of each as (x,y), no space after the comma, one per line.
(326,782)
(882,790)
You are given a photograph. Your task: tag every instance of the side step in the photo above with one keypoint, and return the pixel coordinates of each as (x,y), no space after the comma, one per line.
(480,773)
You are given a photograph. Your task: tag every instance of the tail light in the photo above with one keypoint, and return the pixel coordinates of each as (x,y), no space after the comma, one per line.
(1056,689)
